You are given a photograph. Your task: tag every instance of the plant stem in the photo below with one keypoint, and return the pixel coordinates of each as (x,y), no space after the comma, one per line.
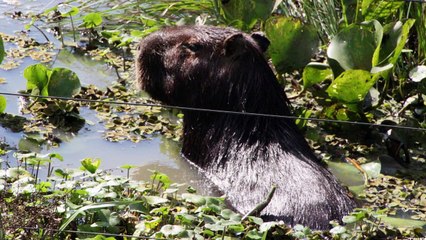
(47,39)
(73,28)
(261,205)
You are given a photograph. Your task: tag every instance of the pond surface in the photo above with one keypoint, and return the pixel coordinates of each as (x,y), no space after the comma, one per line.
(157,154)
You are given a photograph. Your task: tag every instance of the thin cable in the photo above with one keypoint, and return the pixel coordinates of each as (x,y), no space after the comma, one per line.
(214,111)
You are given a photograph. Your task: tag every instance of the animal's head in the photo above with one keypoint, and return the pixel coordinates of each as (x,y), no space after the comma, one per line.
(202,66)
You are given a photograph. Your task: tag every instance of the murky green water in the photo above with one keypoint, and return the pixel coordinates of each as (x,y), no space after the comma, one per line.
(157,154)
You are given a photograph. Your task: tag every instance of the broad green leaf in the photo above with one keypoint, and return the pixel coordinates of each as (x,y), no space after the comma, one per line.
(110,33)
(346,173)
(237,228)
(381,69)
(352,48)
(92,20)
(193,198)
(154,200)
(171,230)
(63,83)
(417,74)
(254,235)
(16,172)
(380,10)
(292,43)
(90,165)
(246,12)
(349,219)
(37,77)
(372,169)
(29,144)
(163,178)
(338,230)
(230,215)
(315,73)
(377,28)
(57,156)
(351,86)
(128,166)
(395,37)
(92,207)
(2,52)
(67,10)
(2,104)
(403,223)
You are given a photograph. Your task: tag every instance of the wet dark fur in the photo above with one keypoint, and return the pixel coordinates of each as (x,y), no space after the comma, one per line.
(222,68)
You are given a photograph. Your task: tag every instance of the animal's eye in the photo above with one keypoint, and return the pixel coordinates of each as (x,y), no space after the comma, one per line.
(194,47)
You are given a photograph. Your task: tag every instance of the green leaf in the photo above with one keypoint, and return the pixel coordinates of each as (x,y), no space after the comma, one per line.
(67,10)
(315,73)
(380,10)
(90,165)
(16,172)
(351,86)
(352,48)
(92,207)
(2,52)
(57,156)
(154,200)
(230,215)
(92,20)
(346,173)
(417,74)
(171,230)
(292,43)
(372,169)
(349,219)
(2,104)
(37,77)
(254,235)
(246,12)
(193,198)
(128,166)
(337,230)
(110,33)
(403,223)
(162,178)
(395,37)
(301,123)
(63,83)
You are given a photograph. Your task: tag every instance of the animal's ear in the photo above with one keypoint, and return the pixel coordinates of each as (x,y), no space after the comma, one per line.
(235,44)
(261,40)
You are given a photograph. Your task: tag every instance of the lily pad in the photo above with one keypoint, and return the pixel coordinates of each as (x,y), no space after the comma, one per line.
(63,82)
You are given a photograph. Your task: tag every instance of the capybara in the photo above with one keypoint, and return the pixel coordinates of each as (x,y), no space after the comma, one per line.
(245,156)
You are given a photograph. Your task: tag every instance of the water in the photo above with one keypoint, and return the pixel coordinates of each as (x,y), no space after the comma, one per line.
(157,154)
